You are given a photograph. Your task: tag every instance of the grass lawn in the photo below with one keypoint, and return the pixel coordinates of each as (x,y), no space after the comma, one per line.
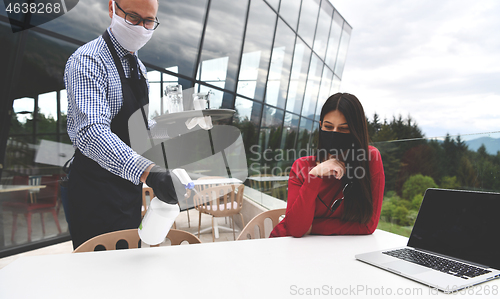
(394,228)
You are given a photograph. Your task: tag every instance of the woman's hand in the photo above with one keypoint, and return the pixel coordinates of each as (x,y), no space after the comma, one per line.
(329,167)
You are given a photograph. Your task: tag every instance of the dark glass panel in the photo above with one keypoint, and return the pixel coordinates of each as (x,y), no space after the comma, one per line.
(333,40)
(289,11)
(220,56)
(270,139)
(288,138)
(76,24)
(324,90)
(281,62)
(42,70)
(312,87)
(305,130)
(49,10)
(324,21)
(301,57)
(307,21)
(8,52)
(247,118)
(256,51)
(344,44)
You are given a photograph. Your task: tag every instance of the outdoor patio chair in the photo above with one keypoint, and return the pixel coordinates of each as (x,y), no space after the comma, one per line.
(112,240)
(255,229)
(220,201)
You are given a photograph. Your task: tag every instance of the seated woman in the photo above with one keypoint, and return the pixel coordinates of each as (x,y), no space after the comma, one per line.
(340,190)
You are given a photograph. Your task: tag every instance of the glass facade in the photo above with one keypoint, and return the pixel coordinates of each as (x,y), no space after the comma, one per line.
(274,62)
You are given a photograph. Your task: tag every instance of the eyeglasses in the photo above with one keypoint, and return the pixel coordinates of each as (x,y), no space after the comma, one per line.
(336,203)
(135,19)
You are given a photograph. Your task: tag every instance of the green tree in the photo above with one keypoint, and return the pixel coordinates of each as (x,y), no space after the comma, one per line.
(401,216)
(466,173)
(416,185)
(449,182)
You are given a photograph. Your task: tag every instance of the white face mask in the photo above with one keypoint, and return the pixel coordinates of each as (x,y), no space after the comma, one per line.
(131,37)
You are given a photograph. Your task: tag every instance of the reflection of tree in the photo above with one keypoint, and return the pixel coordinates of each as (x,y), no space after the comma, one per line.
(448,162)
(46,125)
(249,135)
(21,150)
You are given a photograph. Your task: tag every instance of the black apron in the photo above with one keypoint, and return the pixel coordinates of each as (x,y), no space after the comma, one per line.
(99,201)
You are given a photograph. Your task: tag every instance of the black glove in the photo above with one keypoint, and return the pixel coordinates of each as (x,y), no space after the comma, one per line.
(166,186)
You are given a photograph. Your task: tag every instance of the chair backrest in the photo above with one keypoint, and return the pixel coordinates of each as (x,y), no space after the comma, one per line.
(20,195)
(110,240)
(220,201)
(259,222)
(131,236)
(50,193)
(146,191)
(176,237)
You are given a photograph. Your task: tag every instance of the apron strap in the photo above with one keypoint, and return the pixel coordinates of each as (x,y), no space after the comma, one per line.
(118,63)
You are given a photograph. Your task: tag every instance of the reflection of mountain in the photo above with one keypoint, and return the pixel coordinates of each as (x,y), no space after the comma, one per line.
(492,144)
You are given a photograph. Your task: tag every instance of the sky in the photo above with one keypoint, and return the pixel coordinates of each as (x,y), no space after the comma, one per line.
(436,60)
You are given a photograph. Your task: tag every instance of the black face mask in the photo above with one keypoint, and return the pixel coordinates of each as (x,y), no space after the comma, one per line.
(333,143)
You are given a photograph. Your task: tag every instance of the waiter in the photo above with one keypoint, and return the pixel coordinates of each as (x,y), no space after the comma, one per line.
(106,84)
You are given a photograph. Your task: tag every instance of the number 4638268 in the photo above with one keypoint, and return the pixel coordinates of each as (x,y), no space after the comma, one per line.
(34,8)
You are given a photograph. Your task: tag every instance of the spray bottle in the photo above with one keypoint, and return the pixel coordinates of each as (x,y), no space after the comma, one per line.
(160,215)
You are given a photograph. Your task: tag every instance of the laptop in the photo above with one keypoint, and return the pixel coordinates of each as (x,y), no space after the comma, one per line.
(453,244)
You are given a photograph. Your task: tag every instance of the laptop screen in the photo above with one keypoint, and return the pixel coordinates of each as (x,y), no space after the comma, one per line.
(460,224)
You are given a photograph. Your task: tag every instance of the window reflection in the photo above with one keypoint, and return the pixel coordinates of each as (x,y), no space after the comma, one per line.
(289,11)
(176,41)
(281,61)
(155,100)
(324,21)
(222,43)
(71,23)
(247,118)
(290,131)
(333,40)
(303,145)
(47,112)
(270,139)
(312,87)
(63,100)
(344,44)
(324,90)
(301,57)
(23,109)
(308,19)
(335,85)
(256,51)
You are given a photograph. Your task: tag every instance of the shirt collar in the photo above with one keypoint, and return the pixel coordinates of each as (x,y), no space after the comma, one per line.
(119,49)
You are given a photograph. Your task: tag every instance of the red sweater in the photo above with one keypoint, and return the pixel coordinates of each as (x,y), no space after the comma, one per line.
(304,208)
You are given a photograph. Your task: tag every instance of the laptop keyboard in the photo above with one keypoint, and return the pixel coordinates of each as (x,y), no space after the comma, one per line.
(437,263)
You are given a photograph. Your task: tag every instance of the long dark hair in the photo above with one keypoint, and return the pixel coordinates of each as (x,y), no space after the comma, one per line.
(358,205)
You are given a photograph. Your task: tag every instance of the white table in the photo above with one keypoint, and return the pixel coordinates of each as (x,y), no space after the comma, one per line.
(217,181)
(265,268)
(269,178)
(12,188)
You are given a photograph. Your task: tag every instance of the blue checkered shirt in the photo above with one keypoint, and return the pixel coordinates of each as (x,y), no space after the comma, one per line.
(94,99)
